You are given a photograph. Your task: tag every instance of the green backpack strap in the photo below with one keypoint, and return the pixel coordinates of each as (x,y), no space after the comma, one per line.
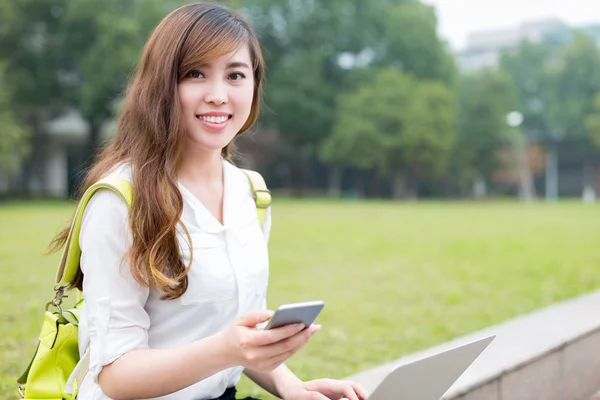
(69,262)
(262,195)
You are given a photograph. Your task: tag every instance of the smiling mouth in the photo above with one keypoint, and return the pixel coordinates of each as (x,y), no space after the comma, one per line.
(214,119)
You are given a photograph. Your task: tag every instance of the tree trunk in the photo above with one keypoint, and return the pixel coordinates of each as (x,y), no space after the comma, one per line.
(33,183)
(479,187)
(376,185)
(398,185)
(589,192)
(552,172)
(411,186)
(307,176)
(527,188)
(336,173)
(359,185)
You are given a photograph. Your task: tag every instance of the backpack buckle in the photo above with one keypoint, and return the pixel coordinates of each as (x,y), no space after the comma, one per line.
(57,300)
(262,198)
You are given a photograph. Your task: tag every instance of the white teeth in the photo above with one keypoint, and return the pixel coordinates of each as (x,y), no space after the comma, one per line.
(214,120)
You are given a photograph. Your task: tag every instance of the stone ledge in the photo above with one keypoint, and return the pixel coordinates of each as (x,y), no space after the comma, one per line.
(559,344)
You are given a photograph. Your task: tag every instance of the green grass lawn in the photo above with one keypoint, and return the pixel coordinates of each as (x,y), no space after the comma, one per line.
(395,277)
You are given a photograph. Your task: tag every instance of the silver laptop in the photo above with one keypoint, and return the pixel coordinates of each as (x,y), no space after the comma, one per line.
(430,377)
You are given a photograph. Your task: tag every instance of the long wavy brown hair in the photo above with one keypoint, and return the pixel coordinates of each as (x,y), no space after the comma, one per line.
(150,136)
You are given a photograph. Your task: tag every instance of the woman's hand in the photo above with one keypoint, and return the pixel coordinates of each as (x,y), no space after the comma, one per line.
(262,350)
(327,389)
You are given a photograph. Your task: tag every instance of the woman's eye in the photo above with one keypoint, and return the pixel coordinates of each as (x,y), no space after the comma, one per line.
(195,74)
(236,76)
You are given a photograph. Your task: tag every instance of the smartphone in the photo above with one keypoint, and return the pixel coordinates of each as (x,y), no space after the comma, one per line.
(296,313)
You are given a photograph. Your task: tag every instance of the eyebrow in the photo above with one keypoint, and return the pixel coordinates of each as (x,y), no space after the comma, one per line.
(235,64)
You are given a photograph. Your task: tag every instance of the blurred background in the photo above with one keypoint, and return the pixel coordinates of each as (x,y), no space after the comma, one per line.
(481,116)
(380,98)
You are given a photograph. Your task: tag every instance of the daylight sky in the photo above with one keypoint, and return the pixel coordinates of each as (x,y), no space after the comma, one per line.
(459,17)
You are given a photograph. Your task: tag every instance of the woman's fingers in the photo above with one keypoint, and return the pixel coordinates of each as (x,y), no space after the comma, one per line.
(284,350)
(271,336)
(348,391)
(359,390)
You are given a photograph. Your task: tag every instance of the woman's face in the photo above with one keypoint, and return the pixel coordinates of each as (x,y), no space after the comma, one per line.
(216,99)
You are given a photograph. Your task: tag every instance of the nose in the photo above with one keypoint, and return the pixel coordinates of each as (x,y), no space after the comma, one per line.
(216,93)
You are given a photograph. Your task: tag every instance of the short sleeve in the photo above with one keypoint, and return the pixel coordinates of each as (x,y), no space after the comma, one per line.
(117,321)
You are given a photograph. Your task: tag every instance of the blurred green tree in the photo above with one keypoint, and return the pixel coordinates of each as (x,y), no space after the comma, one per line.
(410,42)
(528,68)
(319,49)
(577,85)
(592,123)
(31,47)
(13,136)
(396,124)
(77,54)
(486,97)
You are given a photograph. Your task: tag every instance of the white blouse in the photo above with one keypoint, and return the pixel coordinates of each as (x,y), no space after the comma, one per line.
(228,278)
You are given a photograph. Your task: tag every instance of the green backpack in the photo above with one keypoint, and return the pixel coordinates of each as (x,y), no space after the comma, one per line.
(57,352)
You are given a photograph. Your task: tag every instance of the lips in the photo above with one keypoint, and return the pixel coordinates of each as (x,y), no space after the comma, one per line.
(214,119)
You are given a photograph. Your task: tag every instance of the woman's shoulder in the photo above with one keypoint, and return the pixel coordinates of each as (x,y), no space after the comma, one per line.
(122,170)
(108,203)
(239,177)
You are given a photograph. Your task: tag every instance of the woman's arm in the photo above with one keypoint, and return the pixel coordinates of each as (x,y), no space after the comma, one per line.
(276,382)
(281,380)
(282,383)
(147,373)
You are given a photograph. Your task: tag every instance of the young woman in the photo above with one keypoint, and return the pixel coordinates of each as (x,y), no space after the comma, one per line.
(175,286)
